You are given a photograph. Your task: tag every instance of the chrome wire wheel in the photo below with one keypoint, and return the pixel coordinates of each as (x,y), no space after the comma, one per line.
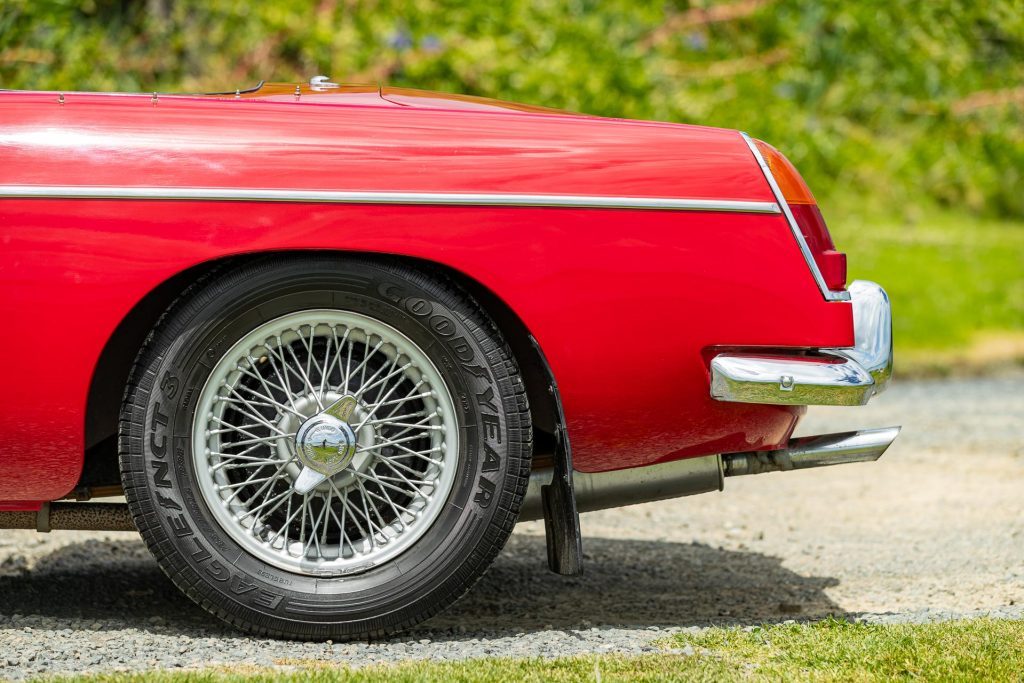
(325,442)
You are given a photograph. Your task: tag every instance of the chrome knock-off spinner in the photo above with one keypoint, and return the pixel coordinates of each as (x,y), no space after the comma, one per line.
(326,444)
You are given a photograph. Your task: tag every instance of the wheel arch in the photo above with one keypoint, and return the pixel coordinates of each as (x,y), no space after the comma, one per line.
(110,374)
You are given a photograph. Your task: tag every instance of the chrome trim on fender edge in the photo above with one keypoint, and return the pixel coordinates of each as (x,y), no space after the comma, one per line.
(835,377)
(793,227)
(373,197)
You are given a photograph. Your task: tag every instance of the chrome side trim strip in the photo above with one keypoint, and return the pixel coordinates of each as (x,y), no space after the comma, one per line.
(219,194)
(804,249)
(836,377)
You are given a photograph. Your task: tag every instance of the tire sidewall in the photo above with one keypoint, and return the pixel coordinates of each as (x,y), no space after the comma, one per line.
(215,567)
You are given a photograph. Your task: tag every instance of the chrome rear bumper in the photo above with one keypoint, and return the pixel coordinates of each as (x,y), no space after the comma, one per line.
(834,377)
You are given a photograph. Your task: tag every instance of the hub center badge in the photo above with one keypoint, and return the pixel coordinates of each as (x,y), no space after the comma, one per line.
(325,443)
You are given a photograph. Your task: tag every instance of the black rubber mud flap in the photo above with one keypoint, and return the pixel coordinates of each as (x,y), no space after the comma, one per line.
(561,518)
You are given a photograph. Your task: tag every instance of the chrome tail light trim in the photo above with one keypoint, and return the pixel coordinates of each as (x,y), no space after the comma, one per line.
(794,228)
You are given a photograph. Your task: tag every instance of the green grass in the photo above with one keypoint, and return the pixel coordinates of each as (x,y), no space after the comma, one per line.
(980,649)
(956,281)
(831,650)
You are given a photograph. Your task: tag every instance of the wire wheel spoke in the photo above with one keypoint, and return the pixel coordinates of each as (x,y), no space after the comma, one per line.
(401,441)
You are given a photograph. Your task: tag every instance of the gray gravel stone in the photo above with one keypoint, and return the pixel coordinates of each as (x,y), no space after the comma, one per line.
(933,531)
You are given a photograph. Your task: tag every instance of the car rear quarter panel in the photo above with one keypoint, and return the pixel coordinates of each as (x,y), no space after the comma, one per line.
(624,303)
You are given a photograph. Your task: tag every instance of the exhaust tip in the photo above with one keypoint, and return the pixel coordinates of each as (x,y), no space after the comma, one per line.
(806,452)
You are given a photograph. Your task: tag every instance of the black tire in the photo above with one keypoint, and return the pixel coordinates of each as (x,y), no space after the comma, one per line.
(218,573)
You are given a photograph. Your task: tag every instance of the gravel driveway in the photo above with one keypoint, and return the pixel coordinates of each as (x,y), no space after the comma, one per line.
(934,530)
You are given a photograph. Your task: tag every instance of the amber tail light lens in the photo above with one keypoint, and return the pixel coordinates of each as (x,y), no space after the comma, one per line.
(804,207)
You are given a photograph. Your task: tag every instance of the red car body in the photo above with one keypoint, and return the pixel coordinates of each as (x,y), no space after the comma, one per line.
(628,305)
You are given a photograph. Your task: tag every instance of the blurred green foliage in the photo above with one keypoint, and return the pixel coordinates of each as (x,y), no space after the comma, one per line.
(953,280)
(895,102)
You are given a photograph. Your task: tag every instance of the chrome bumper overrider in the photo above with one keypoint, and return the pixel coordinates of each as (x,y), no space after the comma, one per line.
(834,377)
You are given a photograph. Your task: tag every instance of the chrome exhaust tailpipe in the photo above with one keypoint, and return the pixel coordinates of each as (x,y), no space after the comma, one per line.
(602,490)
(813,451)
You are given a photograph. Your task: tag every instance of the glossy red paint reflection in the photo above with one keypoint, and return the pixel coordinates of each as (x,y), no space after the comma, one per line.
(624,303)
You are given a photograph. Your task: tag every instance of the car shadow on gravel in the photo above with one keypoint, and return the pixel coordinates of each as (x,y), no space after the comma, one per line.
(116,582)
(626,583)
(631,583)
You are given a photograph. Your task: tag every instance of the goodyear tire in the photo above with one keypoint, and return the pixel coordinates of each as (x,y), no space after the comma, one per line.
(320,447)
